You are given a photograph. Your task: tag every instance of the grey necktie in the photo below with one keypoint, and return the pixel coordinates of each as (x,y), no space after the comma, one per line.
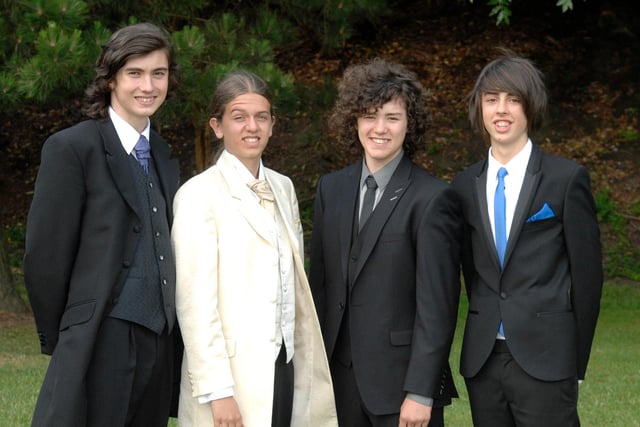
(369,199)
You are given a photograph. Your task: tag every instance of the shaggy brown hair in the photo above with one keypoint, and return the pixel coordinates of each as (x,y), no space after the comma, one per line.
(514,75)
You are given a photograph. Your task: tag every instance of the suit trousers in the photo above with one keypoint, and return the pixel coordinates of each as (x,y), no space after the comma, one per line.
(352,411)
(282,391)
(502,394)
(130,376)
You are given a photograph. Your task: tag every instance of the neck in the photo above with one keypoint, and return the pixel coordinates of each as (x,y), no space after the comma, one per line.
(504,154)
(253,167)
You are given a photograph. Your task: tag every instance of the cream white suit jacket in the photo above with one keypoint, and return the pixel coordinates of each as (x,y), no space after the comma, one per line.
(225,250)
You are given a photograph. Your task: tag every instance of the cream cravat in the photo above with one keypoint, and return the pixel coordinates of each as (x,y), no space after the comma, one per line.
(263,190)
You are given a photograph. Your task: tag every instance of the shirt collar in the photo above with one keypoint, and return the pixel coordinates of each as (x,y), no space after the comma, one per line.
(383,176)
(517,165)
(127,134)
(246,176)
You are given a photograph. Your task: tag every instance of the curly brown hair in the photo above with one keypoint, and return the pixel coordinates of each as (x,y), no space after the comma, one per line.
(371,85)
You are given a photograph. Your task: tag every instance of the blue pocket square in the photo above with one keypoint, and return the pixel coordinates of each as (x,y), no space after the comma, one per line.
(545,213)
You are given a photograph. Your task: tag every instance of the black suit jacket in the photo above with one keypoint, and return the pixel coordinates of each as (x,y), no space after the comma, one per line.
(404,284)
(82,231)
(548,293)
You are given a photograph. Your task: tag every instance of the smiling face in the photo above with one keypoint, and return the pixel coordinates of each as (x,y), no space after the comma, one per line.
(381,133)
(505,121)
(140,87)
(245,128)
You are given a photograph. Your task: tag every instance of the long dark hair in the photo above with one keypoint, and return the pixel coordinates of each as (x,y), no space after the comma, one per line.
(131,41)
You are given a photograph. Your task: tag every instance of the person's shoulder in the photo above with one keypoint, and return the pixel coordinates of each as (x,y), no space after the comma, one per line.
(84,128)
(342,174)
(470,171)
(274,174)
(558,161)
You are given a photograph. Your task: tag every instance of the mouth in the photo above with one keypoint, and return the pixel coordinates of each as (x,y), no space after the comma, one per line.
(146,100)
(251,139)
(502,125)
(378,141)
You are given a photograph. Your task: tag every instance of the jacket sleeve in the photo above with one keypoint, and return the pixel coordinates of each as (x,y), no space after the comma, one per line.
(437,293)
(582,237)
(53,228)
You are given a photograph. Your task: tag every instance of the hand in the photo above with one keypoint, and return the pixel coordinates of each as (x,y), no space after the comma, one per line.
(226,413)
(414,414)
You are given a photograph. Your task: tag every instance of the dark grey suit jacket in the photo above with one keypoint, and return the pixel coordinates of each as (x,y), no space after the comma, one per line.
(82,231)
(548,293)
(403,288)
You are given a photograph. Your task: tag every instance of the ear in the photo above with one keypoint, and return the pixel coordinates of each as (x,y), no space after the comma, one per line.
(217,127)
(273,122)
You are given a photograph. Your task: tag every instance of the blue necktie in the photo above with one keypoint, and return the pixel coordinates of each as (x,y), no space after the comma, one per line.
(500,219)
(500,216)
(143,153)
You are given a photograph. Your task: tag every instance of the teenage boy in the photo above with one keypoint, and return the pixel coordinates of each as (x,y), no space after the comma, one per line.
(384,258)
(98,264)
(531,260)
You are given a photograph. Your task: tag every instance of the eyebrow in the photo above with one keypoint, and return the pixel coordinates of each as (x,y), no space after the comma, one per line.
(142,69)
(242,110)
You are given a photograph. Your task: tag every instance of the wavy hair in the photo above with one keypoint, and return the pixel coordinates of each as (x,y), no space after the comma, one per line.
(370,86)
(127,42)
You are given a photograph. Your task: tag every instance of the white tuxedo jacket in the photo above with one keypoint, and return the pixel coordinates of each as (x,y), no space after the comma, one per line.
(226,252)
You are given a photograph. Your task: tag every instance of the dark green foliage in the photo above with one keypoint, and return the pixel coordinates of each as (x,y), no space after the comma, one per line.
(332,22)
(622,259)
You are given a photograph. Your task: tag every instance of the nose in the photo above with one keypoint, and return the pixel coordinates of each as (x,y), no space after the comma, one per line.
(146,83)
(252,124)
(379,126)
(503,105)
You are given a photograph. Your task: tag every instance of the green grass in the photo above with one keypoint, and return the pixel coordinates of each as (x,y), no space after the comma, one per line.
(609,396)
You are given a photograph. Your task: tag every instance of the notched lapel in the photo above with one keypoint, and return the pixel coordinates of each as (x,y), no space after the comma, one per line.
(168,170)
(481,200)
(257,218)
(368,236)
(347,201)
(118,162)
(529,185)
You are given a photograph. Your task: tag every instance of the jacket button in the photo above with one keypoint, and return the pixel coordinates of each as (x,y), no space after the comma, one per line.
(137,228)
(341,305)
(503,295)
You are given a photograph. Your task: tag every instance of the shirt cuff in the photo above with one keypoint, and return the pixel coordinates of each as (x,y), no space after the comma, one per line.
(220,394)
(427,401)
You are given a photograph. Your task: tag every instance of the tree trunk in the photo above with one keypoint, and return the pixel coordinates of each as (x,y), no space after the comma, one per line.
(9,298)
(203,147)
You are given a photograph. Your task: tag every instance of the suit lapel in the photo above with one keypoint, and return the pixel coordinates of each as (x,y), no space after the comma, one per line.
(282,200)
(257,218)
(366,240)
(525,198)
(348,198)
(118,162)
(481,200)
(166,168)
